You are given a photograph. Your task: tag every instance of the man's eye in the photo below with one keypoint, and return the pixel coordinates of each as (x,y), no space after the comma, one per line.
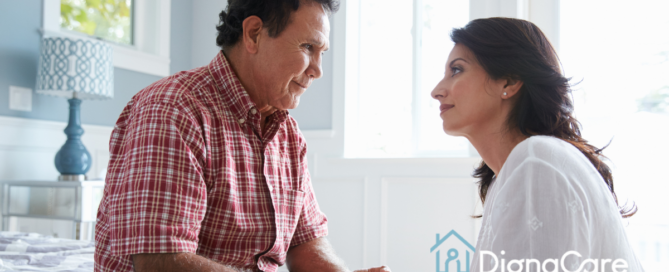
(308,46)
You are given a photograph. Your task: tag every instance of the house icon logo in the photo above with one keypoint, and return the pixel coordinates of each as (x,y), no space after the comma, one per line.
(453,254)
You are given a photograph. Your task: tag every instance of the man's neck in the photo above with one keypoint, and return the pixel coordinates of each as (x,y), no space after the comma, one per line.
(242,67)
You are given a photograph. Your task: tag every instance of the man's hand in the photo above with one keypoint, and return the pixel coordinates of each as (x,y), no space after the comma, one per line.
(375,269)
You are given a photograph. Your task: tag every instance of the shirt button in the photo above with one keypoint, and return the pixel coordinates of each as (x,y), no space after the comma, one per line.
(254,111)
(241,121)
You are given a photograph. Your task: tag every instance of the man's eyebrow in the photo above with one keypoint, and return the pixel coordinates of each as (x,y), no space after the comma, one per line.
(453,61)
(318,43)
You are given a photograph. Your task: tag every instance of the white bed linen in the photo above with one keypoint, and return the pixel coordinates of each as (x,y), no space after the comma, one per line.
(35,252)
(547,200)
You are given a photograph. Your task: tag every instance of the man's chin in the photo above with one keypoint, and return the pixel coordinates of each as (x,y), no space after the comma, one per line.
(293,103)
(287,106)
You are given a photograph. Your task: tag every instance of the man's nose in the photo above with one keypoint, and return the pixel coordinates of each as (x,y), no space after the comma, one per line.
(315,70)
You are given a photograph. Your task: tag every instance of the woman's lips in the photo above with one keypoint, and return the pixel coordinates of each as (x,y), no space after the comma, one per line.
(445,107)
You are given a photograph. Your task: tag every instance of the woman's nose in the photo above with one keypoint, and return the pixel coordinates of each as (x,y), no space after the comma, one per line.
(440,91)
(437,92)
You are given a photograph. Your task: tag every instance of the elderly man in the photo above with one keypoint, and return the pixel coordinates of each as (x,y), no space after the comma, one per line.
(208,171)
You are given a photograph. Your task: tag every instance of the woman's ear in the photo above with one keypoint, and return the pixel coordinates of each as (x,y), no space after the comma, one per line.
(251,28)
(511,87)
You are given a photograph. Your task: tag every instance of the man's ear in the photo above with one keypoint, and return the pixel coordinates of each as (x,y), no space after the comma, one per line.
(511,87)
(251,28)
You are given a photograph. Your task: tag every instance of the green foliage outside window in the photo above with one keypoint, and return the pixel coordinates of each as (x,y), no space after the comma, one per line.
(656,101)
(108,19)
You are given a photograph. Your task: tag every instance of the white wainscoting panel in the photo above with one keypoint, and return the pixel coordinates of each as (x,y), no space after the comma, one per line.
(28,148)
(418,213)
(383,202)
(343,200)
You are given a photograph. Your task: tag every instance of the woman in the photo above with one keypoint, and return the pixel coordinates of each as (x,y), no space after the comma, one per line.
(549,203)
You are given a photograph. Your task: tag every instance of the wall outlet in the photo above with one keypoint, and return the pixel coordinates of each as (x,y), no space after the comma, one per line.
(20,98)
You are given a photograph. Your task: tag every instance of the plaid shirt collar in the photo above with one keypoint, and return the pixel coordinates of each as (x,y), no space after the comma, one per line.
(235,96)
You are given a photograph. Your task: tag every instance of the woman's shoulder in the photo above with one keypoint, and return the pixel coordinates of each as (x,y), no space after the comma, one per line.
(550,150)
(546,148)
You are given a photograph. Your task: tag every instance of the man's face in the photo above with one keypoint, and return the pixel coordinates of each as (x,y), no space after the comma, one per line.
(287,64)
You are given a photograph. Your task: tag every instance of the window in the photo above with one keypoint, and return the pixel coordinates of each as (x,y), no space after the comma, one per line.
(396,53)
(619,51)
(138,30)
(110,20)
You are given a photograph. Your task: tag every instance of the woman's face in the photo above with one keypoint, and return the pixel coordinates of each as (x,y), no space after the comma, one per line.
(470,100)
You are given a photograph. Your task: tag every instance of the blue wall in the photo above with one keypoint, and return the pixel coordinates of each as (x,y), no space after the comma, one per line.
(19,50)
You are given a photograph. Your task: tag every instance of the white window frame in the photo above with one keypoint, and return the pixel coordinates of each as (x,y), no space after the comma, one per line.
(544,13)
(149,55)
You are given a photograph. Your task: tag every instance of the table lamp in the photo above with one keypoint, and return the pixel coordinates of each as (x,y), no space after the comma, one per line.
(75,69)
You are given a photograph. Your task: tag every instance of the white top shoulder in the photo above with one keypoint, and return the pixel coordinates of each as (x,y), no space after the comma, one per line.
(547,201)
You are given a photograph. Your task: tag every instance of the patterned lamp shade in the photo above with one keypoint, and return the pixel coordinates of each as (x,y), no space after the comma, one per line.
(82,66)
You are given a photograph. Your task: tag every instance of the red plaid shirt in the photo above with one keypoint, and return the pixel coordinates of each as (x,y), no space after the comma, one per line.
(191,171)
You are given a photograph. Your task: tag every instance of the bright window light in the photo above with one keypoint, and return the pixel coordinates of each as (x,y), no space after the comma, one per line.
(619,51)
(110,20)
(398,64)
(439,18)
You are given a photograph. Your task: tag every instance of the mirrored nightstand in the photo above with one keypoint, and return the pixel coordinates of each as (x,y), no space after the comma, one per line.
(75,201)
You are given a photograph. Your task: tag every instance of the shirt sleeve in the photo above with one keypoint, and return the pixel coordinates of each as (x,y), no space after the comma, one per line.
(312,223)
(159,200)
(539,214)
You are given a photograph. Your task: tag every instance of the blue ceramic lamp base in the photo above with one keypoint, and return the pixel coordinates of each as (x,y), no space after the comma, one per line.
(73,160)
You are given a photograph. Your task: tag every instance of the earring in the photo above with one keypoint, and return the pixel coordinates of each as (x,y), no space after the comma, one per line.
(504,94)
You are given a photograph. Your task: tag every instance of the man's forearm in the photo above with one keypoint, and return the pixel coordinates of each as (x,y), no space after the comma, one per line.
(315,255)
(184,261)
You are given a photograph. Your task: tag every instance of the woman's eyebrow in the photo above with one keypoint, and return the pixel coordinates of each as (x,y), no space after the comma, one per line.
(453,61)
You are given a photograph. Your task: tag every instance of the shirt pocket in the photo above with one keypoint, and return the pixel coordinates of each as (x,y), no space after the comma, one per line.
(288,212)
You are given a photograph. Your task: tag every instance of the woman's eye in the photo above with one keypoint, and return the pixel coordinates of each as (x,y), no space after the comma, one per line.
(455,71)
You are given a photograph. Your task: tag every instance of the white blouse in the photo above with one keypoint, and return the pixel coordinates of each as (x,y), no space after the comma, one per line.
(549,206)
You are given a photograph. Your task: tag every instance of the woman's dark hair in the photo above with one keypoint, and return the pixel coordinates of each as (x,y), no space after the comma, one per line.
(275,15)
(518,49)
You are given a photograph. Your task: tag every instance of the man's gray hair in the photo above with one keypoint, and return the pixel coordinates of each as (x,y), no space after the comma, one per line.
(275,15)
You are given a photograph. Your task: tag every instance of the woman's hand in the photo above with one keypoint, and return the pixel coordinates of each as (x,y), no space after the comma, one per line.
(375,269)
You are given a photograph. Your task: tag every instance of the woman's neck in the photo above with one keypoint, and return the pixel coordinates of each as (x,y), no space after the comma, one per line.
(495,147)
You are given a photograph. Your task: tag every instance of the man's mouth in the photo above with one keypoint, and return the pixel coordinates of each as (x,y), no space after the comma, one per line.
(445,107)
(304,86)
